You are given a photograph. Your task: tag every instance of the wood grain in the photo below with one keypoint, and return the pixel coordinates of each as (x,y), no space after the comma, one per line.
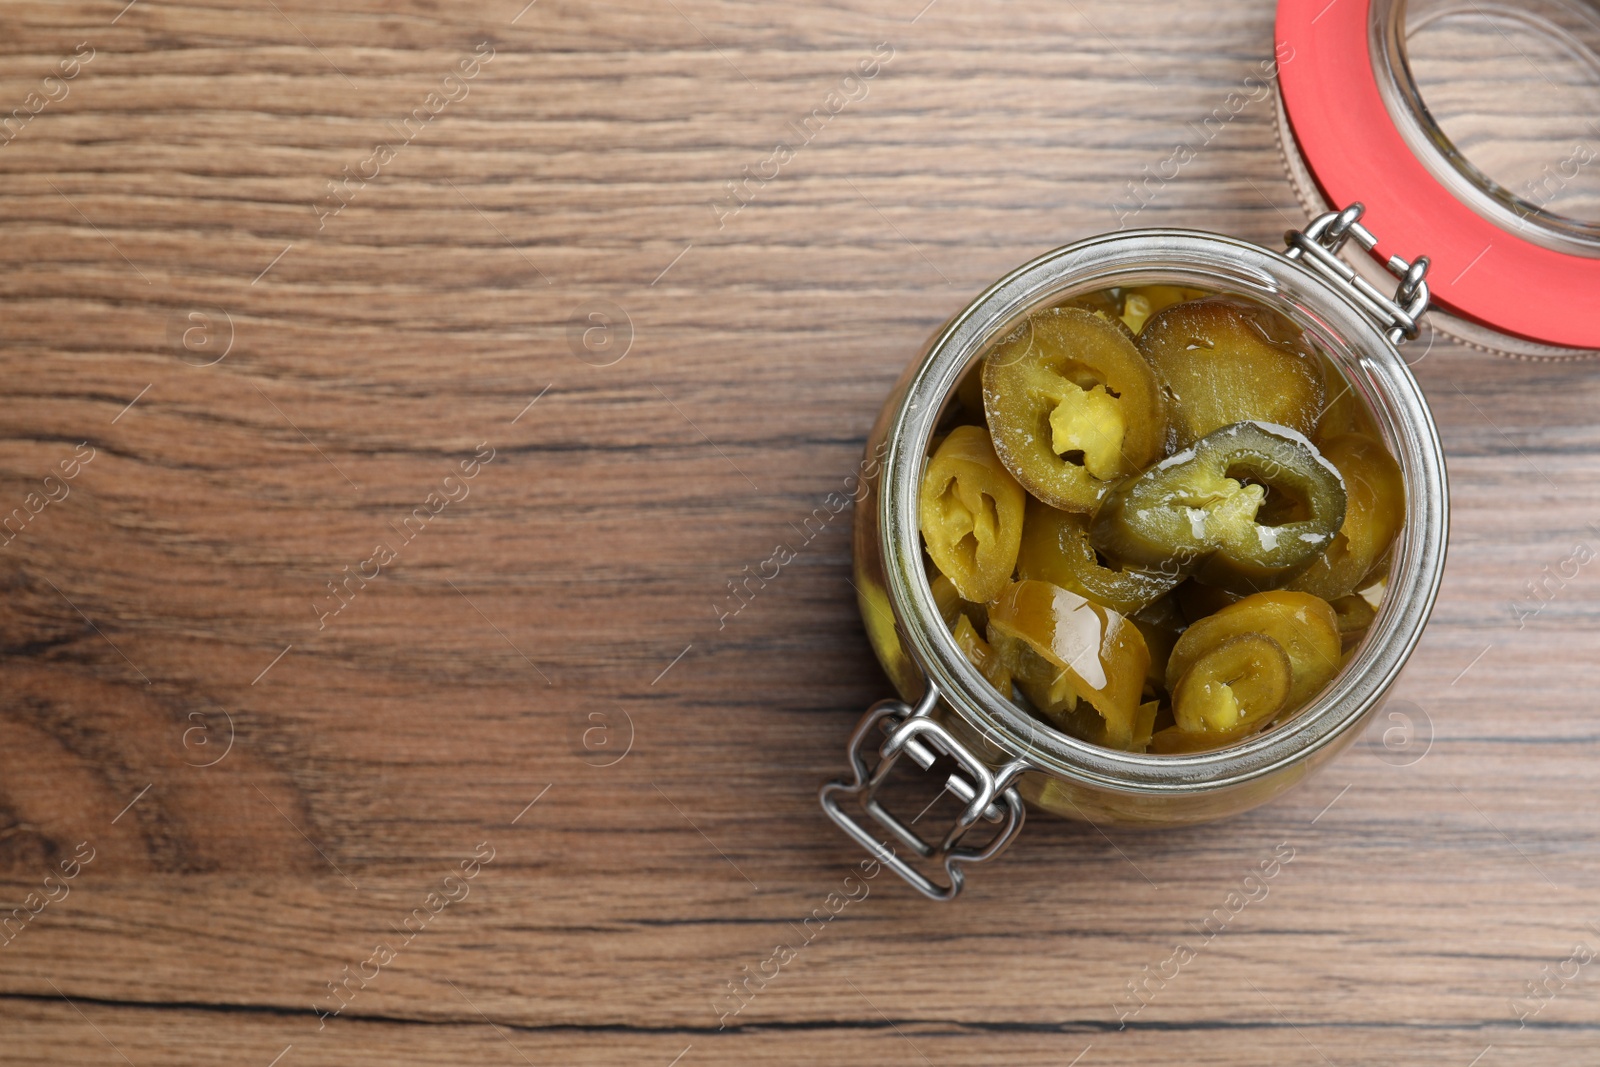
(554,632)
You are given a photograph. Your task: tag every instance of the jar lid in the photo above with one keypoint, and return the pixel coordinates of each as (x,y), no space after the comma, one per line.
(1471,132)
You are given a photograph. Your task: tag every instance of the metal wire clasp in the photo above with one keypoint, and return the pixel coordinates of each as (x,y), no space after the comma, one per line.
(1318,246)
(988,794)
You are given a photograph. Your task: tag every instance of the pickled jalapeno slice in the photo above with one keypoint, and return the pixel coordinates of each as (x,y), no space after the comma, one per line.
(1355,615)
(982,655)
(1085,724)
(1056,549)
(1228,694)
(1142,301)
(1107,304)
(1344,411)
(1239,684)
(1073,406)
(1222,362)
(1159,642)
(1063,649)
(951,605)
(946,599)
(1160,623)
(971,511)
(1374,515)
(1304,626)
(1144,725)
(1245,508)
(1042,681)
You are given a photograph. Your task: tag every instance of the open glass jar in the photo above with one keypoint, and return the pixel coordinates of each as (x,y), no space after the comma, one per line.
(1002,756)
(1372,104)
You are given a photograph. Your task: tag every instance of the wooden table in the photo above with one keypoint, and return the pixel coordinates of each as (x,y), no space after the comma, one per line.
(282,348)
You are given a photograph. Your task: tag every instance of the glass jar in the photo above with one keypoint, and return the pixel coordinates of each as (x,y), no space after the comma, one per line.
(1366,111)
(1004,757)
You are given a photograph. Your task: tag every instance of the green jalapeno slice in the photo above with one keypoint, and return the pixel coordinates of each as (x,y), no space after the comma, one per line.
(1223,361)
(1246,508)
(971,511)
(1056,549)
(1062,650)
(1073,406)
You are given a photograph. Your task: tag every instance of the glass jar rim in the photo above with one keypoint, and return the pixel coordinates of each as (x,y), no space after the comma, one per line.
(1348,337)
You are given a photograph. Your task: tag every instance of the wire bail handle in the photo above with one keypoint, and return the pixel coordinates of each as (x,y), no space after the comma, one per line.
(1318,245)
(988,794)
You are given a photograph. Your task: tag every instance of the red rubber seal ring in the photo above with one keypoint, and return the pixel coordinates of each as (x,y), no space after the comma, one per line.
(1353,150)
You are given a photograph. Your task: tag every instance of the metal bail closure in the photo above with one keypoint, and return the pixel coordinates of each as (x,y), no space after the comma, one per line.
(1318,247)
(987,794)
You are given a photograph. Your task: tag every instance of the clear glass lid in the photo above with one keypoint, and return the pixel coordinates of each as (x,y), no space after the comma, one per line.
(1510,96)
(1471,130)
